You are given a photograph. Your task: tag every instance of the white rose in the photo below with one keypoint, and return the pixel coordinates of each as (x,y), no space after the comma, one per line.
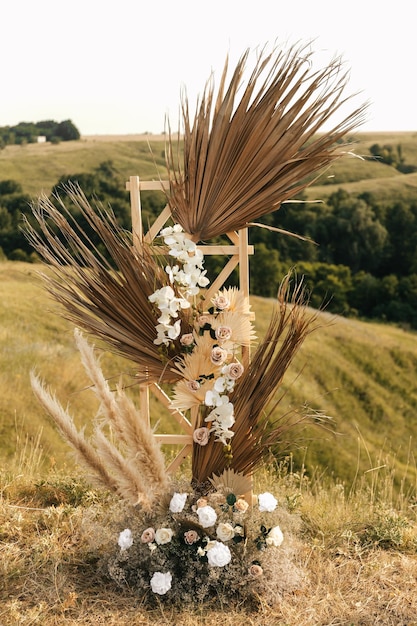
(125,540)
(275,537)
(207,516)
(161,582)
(267,502)
(177,502)
(163,535)
(225,531)
(218,555)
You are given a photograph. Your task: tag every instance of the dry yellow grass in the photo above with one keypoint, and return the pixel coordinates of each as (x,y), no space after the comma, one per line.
(49,576)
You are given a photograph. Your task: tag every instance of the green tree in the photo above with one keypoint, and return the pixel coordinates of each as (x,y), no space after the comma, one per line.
(265,271)
(401,249)
(67,131)
(353,235)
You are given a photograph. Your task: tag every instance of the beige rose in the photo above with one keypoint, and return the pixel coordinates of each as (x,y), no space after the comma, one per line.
(191,536)
(255,571)
(201,502)
(193,385)
(235,370)
(223,333)
(218,356)
(148,535)
(225,531)
(241,505)
(201,436)
(187,339)
(203,320)
(163,535)
(221,302)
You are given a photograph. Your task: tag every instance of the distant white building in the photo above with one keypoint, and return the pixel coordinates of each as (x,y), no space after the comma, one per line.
(41,139)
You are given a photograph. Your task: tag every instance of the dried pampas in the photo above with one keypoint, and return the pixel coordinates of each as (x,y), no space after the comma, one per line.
(129,463)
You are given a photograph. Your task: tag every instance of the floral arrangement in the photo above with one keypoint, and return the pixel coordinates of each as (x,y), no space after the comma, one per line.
(204,549)
(209,364)
(240,159)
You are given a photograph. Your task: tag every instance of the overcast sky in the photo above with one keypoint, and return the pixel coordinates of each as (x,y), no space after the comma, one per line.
(119,67)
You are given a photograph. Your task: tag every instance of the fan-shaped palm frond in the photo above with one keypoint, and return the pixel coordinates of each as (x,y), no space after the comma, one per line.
(108,299)
(249,149)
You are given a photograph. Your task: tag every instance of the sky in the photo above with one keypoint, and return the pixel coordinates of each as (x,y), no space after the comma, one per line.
(120,67)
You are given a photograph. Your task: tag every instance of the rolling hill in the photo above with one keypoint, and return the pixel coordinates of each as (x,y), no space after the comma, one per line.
(360,374)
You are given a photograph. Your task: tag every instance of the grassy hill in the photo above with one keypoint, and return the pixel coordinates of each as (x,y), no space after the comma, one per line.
(349,496)
(39,166)
(360,374)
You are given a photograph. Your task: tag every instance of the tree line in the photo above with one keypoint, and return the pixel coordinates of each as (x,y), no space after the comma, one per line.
(360,257)
(28,132)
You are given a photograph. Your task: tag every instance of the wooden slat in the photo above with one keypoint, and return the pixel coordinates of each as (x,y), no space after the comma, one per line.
(174,439)
(137,231)
(178,415)
(157,225)
(225,273)
(224,250)
(179,459)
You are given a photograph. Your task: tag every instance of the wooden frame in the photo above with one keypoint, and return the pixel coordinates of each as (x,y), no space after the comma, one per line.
(238,250)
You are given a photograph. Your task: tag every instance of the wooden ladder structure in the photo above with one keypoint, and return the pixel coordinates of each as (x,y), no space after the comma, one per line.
(238,250)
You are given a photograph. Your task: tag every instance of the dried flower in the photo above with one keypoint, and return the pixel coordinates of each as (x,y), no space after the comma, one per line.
(125,540)
(274,537)
(255,571)
(177,502)
(241,505)
(207,516)
(218,554)
(191,536)
(234,370)
(161,582)
(267,502)
(220,302)
(148,535)
(204,320)
(201,436)
(225,531)
(218,355)
(223,333)
(187,339)
(163,536)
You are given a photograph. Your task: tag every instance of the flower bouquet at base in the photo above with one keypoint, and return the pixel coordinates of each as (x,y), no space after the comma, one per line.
(218,549)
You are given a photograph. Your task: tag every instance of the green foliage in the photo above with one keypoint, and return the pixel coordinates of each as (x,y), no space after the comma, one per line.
(28,132)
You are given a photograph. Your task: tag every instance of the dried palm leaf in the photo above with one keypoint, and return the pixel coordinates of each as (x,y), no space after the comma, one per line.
(230,481)
(255,430)
(108,299)
(250,148)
